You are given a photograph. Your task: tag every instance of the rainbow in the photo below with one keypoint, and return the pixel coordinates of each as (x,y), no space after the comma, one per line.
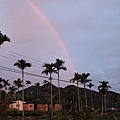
(52,29)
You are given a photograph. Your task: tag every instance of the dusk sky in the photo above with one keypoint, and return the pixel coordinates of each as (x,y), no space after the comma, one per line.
(83,33)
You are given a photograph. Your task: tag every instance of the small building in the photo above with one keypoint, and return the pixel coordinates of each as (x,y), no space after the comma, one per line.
(29,107)
(16,104)
(57,107)
(42,107)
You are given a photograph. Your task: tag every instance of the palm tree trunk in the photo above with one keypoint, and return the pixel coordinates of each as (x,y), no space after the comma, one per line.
(37,92)
(12,103)
(81,104)
(0,94)
(59,86)
(102,107)
(27,93)
(5,98)
(46,91)
(78,97)
(85,96)
(51,100)
(23,94)
(73,99)
(18,99)
(91,99)
(105,103)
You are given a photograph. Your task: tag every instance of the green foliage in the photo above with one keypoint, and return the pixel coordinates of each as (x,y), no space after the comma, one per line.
(3,38)
(3,110)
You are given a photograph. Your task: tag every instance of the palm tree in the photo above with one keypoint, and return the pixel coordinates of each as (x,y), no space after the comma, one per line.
(18,84)
(84,80)
(27,83)
(90,85)
(3,38)
(6,84)
(103,88)
(59,66)
(49,69)
(77,80)
(45,82)
(1,85)
(72,94)
(37,85)
(22,64)
(12,91)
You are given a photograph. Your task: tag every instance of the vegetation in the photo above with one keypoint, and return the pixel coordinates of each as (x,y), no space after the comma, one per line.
(90,85)
(22,64)
(59,66)
(18,84)
(84,79)
(37,85)
(49,69)
(69,111)
(77,80)
(3,38)
(103,88)
(77,102)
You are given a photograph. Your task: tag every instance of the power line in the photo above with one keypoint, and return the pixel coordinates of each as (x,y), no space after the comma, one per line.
(21,55)
(25,57)
(27,73)
(32,65)
(15,60)
(15,55)
(36,75)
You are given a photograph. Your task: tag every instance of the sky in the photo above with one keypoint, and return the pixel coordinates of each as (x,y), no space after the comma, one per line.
(83,33)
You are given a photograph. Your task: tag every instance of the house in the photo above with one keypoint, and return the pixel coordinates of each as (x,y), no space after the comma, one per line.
(28,107)
(57,107)
(42,107)
(17,104)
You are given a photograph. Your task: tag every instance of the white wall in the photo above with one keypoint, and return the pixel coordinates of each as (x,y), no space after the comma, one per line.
(15,105)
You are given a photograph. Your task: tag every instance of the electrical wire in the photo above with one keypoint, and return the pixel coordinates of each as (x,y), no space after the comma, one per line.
(27,73)
(29,59)
(37,62)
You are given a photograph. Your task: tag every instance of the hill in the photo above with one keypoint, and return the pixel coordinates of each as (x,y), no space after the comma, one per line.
(67,93)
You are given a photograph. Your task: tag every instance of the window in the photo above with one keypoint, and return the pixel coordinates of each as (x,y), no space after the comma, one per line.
(30,106)
(17,105)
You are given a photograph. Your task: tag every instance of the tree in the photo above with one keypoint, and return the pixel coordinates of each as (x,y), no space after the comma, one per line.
(18,84)
(22,64)
(45,82)
(12,90)
(6,84)
(72,95)
(3,38)
(90,85)
(59,66)
(49,69)
(1,85)
(84,80)
(77,80)
(37,85)
(103,88)
(27,83)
